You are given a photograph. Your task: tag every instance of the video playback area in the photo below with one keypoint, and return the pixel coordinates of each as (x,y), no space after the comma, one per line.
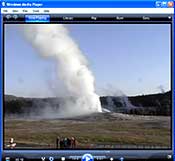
(88,84)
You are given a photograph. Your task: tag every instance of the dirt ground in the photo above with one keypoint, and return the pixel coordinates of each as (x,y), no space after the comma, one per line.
(109,130)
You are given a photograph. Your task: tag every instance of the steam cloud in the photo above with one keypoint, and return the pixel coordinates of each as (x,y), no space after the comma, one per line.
(54,41)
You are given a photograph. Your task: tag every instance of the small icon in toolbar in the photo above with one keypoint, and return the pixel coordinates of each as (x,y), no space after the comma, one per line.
(158,4)
(169,156)
(169,17)
(111,159)
(43,158)
(121,159)
(94,18)
(87,157)
(51,158)
(164,4)
(3,4)
(15,16)
(170,4)
(7,158)
(8,17)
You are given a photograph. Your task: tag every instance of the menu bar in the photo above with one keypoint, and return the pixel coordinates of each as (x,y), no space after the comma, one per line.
(87,10)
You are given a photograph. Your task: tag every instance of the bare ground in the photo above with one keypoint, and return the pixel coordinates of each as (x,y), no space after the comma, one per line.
(105,130)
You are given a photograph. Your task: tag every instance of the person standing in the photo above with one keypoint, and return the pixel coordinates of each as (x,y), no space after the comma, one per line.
(58,142)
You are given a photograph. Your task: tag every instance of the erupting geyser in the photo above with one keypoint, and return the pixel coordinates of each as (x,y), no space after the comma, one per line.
(53,40)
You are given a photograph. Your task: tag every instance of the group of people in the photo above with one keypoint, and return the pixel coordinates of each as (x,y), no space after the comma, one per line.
(66,143)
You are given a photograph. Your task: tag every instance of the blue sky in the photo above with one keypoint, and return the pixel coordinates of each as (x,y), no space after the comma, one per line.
(132,58)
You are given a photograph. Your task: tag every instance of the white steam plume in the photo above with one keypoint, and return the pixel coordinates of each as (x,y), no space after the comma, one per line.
(53,40)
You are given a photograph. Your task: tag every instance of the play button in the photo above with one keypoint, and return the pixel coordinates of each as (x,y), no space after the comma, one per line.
(87,157)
